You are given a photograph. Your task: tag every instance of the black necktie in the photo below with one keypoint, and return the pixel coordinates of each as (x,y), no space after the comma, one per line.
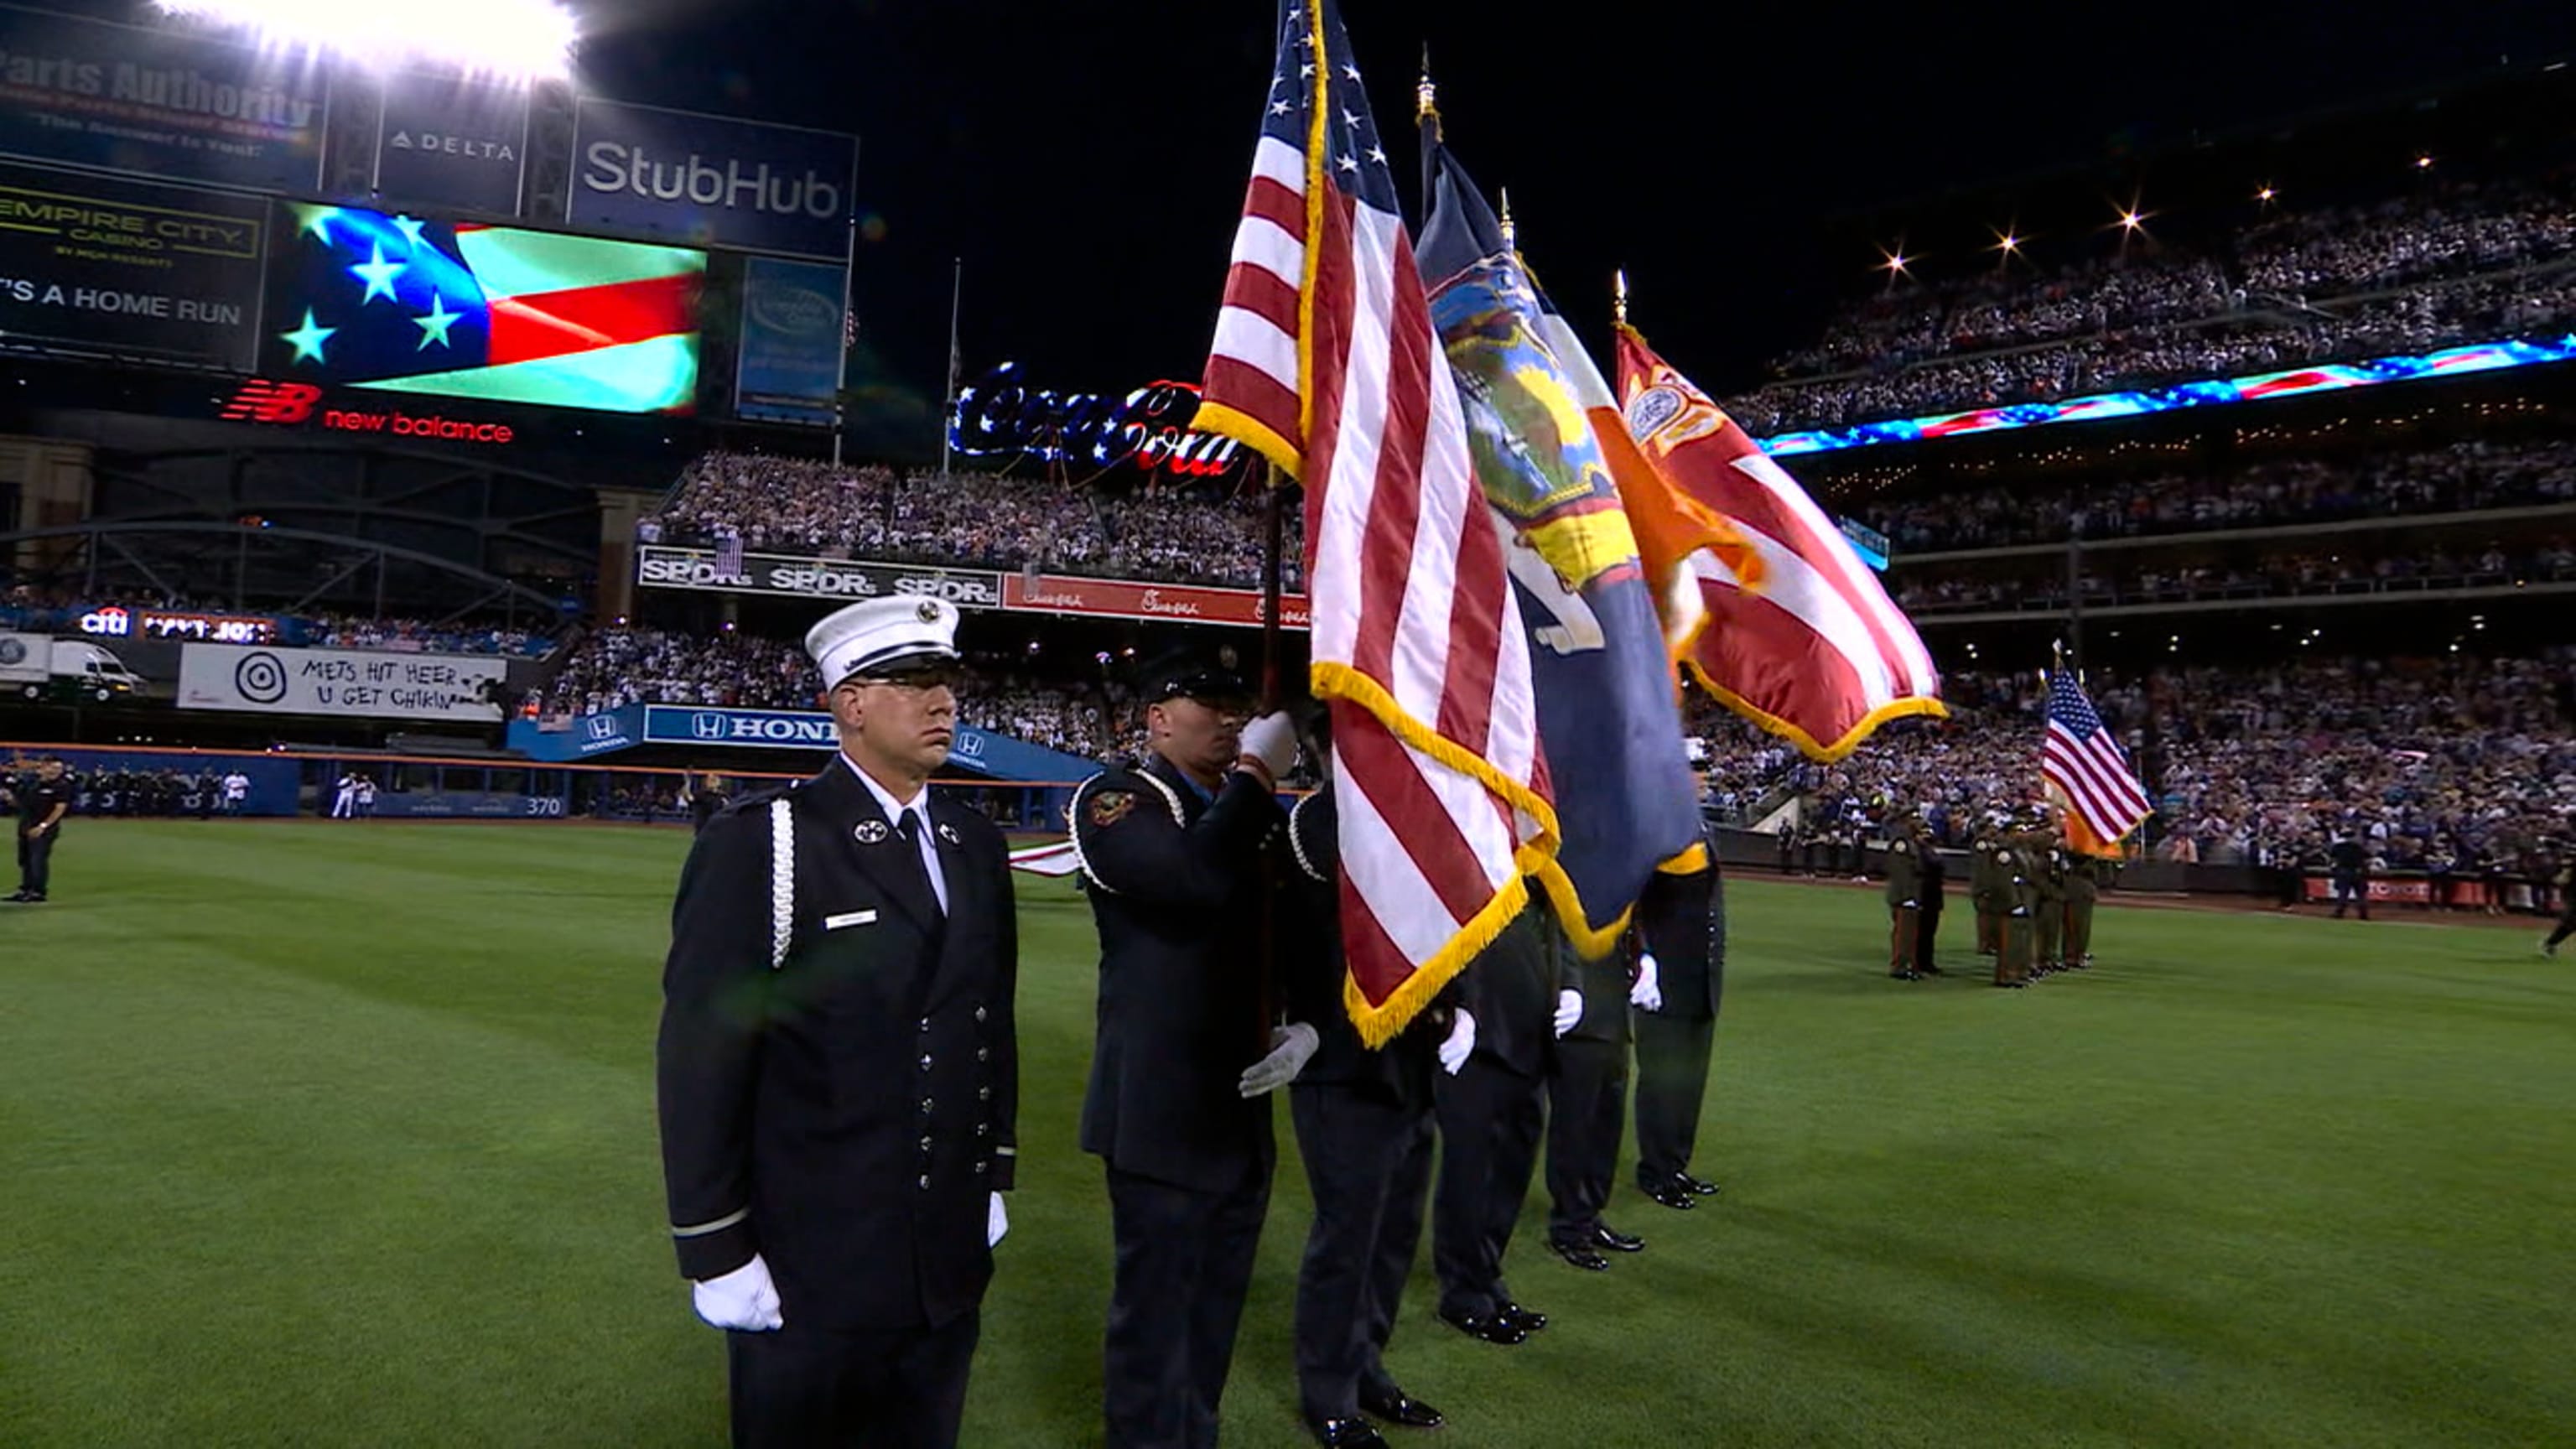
(909,827)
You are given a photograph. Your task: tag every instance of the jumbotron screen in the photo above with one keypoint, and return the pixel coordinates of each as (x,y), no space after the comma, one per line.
(360,299)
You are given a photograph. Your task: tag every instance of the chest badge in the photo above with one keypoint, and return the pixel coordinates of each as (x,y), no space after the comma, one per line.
(870,832)
(948,833)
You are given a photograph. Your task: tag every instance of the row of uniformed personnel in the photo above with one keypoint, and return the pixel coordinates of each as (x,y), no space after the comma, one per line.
(2034,901)
(838,1072)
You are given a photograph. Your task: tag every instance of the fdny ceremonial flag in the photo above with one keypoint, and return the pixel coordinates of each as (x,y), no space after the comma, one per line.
(495,313)
(2086,773)
(1812,648)
(1325,361)
(1609,725)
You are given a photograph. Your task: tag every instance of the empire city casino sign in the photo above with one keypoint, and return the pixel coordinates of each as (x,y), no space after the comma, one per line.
(300,404)
(1149,427)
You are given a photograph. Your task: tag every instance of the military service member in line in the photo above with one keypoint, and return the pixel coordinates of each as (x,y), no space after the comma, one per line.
(838,1065)
(1988,891)
(1364,1128)
(1904,902)
(2048,885)
(1681,977)
(1176,853)
(1931,875)
(2083,887)
(2011,897)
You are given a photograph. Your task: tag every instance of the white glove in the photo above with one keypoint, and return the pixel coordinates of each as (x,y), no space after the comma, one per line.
(1459,1045)
(997,1223)
(1272,740)
(1569,1010)
(1290,1047)
(744,1299)
(1647,994)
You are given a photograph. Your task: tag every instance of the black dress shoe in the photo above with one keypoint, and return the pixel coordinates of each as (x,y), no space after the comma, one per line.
(1672,1194)
(1491,1327)
(1579,1255)
(1348,1434)
(1399,1407)
(1700,1185)
(1606,1236)
(1527,1320)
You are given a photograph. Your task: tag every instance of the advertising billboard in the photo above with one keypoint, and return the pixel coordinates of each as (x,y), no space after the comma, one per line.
(159,273)
(1128,599)
(158,102)
(664,566)
(710,181)
(360,299)
(352,683)
(790,369)
(451,144)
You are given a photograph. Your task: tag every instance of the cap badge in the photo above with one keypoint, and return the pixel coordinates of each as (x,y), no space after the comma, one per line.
(929,611)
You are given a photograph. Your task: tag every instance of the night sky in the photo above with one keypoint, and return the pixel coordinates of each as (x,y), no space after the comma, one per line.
(1086,160)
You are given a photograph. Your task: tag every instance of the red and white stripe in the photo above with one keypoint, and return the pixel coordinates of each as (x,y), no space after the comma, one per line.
(1415,632)
(2093,778)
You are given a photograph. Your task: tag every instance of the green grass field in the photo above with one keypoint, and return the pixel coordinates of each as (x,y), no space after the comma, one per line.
(344,1136)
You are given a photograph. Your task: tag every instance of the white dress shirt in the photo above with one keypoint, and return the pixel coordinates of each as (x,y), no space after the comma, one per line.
(918,805)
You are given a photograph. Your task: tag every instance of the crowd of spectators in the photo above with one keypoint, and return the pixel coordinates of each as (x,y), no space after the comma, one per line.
(2443,765)
(619,666)
(2454,479)
(2448,266)
(1166,530)
(2287,574)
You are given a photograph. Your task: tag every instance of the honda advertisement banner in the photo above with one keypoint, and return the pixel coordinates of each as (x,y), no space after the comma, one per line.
(790,369)
(120,268)
(159,102)
(994,756)
(451,144)
(709,181)
(352,683)
(662,566)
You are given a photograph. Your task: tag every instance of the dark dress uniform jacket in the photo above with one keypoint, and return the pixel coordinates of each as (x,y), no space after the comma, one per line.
(1176,887)
(1511,989)
(846,1113)
(1311,915)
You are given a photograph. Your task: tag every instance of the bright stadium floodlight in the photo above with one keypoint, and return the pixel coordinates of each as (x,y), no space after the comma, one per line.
(527,40)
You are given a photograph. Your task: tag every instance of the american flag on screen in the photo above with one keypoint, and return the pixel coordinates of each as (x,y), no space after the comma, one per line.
(501,314)
(2086,771)
(1325,361)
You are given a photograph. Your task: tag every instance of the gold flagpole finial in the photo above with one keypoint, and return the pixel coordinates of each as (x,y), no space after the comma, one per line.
(1426,96)
(1619,296)
(1510,244)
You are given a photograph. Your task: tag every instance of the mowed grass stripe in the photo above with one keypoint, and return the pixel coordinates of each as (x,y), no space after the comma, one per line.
(343,1135)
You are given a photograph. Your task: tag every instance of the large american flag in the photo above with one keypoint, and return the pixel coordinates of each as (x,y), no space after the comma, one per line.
(1325,360)
(2083,766)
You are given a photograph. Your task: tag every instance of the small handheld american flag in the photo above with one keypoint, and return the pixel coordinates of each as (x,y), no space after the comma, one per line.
(2084,768)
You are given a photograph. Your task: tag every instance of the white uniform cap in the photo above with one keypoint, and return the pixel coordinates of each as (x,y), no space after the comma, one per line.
(882,636)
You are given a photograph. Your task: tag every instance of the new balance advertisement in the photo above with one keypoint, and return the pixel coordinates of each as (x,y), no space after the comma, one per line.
(709,181)
(791,342)
(123,269)
(452,144)
(662,566)
(159,102)
(351,683)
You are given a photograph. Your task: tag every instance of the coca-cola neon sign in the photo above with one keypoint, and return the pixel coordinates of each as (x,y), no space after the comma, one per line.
(1149,427)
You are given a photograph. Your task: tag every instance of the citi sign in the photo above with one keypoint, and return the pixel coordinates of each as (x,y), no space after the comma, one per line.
(613,167)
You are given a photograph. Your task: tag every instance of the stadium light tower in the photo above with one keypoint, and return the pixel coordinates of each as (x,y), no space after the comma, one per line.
(524,40)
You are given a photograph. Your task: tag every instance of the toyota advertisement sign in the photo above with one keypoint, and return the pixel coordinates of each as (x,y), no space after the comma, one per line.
(709,181)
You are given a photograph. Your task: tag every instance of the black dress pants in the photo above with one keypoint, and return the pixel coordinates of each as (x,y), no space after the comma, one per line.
(1368,1165)
(796,1387)
(1672,1081)
(35,862)
(1587,1111)
(1490,1119)
(1184,1264)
